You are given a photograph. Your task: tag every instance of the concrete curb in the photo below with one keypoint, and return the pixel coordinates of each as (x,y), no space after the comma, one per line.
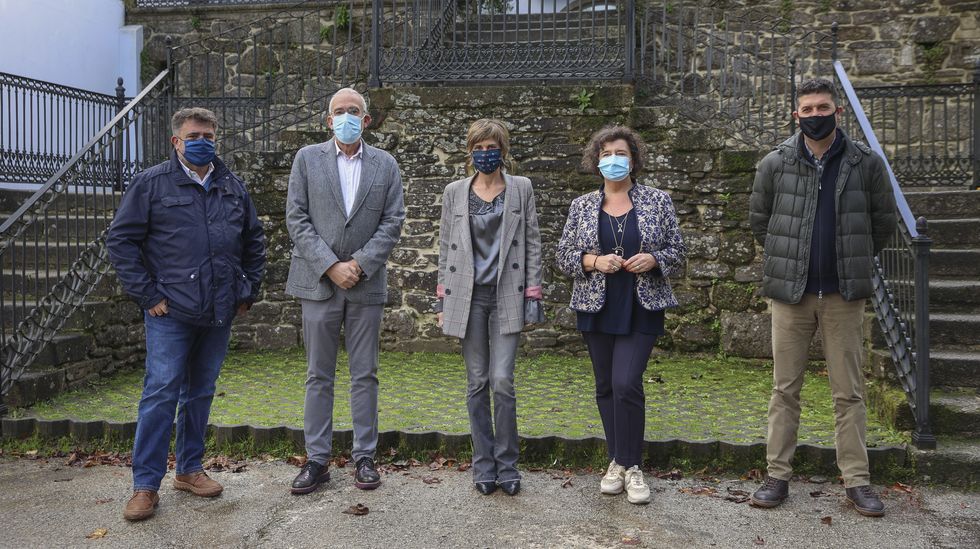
(734,456)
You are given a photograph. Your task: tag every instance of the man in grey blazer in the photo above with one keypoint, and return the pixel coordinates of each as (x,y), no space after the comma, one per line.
(344,213)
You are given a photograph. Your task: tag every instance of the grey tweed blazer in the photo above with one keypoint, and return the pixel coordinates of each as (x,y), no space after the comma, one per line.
(323,233)
(519,265)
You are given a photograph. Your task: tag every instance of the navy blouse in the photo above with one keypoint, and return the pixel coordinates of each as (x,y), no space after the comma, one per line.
(622,313)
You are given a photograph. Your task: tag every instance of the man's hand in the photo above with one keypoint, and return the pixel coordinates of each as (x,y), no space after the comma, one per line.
(242,309)
(160,309)
(344,274)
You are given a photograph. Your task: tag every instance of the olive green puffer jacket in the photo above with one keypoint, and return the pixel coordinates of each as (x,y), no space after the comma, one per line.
(782,207)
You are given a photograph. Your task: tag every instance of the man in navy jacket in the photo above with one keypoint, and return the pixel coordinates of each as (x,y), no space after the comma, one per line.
(189,249)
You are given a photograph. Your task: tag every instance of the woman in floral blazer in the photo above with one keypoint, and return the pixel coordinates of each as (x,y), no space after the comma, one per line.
(620,245)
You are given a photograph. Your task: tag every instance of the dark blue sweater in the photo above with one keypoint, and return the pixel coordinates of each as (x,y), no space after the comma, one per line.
(822,271)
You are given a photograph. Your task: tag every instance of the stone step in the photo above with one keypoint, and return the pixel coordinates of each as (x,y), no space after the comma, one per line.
(65,347)
(955,461)
(954,262)
(947,367)
(955,233)
(944,204)
(955,411)
(948,296)
(955,329)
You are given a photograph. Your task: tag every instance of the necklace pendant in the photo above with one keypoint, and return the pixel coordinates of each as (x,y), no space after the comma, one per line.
(618,250)
(620,230)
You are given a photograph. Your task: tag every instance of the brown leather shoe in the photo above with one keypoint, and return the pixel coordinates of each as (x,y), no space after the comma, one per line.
(142,505)
(199,484)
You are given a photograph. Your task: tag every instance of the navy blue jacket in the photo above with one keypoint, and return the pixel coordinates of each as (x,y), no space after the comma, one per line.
(202,251)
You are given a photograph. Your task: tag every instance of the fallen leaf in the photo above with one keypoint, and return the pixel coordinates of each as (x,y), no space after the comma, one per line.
(699,491)
(554,410)
(899,487)
(826,520)
(697,376)
(356,510)
(98,533)
(752,474)
(392,452)
(298,461)
(431,480)
(401,464)
(626,540)
(736,496)
(673,474)
(567,483)
(819,494)
(101,501)
(759,541)
(31,453)
(340,462)
(463,467)
(656,379)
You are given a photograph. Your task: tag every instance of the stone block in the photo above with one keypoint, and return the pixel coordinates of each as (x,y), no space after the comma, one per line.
(747,335)
(874,62)
(933,29)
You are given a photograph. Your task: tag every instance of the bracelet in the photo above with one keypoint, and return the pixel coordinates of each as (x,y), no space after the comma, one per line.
(594,261)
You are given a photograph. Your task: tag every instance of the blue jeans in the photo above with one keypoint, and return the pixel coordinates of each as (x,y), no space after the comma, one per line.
(182,365)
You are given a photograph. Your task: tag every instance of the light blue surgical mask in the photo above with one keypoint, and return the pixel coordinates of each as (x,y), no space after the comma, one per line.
(615,167)
(347,128)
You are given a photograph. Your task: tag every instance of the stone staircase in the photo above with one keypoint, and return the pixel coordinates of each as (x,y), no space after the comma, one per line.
(101,337)
(954,299)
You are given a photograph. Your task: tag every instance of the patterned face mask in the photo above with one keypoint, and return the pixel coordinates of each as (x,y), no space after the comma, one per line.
(487,161)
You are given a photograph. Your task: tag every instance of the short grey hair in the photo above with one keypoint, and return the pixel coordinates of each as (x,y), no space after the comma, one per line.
(344,91)
(197,114)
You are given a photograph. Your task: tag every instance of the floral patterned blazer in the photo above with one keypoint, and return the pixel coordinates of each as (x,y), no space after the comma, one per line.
(659,236)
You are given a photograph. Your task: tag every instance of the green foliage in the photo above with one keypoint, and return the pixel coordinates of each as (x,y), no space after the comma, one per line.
(341,18)
(195,22)
(584,99)
(825,6)
(325,33)
(785,14)
(933,56)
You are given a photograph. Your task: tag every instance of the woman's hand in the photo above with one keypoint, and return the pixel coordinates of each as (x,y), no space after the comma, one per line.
(609,263)
(439,320)
(640,263)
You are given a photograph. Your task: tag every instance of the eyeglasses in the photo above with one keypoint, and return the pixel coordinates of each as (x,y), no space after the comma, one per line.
(356,111)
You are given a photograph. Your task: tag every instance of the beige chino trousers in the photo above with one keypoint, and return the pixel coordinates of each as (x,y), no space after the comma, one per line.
(793,326)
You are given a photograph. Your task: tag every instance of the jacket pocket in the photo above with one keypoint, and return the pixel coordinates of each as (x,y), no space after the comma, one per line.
(182,288)
(243,288)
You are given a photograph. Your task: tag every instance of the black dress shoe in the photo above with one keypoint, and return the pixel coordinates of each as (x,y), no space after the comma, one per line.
(865,501)
(771,493)
(310,476)
(511,487)
(486,488)
(366,476)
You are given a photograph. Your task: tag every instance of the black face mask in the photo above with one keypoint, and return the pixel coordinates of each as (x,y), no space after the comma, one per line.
(818,127)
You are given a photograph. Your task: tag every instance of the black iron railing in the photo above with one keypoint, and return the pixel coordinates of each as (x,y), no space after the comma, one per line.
(52,251)
(928,131)
(43,124)
(901,279)
(730,69)
(199,3)
(488,40)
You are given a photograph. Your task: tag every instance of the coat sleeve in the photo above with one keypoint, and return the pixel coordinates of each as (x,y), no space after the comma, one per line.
(308,243)
(125,244)
(374,254)
(532,248)
(568,253)
(253,249)
(760,201)
(670,258)
(444,231)
(883,215)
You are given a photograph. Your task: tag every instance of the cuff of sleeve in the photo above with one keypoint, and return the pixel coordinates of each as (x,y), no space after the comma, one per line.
(437,306)
(533,312)
(151,301)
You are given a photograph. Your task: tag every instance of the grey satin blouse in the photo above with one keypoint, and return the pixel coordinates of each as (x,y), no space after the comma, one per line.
(485,221)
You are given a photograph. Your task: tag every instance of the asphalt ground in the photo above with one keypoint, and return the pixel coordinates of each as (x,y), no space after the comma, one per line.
(46,503)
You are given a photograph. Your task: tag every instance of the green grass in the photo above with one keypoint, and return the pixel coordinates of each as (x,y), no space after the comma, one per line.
(688,397)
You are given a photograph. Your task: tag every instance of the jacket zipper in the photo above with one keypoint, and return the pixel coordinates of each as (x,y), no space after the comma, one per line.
(819,248)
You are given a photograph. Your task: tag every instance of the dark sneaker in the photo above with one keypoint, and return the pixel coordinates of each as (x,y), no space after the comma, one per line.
(772,492)
(511,487)
(865,501)
(366,475)
(486,488)
(310,476)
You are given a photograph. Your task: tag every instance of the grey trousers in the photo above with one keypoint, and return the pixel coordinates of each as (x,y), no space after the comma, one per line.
(322,321)
(489,358)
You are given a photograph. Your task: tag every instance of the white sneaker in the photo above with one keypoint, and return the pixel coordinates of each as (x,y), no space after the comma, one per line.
(637,490)
(612,482)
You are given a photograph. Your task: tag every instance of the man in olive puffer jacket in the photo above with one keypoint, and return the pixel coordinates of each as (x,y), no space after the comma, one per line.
(822,207)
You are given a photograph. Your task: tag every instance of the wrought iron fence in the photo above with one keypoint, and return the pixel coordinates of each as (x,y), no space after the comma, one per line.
(197,3)
(928,131)
(52,251)
(272,73)
(43,124)
(901,279)
(730,69)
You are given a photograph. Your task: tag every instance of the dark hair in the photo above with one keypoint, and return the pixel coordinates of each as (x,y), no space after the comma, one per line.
(638,149)
(817,85)
(196,114)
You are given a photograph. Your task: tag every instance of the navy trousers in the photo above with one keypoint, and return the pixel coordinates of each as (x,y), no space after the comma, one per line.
(619,362)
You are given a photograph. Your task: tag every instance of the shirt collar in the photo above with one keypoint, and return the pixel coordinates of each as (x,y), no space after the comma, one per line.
(830,150)
(193,175)
(360,149)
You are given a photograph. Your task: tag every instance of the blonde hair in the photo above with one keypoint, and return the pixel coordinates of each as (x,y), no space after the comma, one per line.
(483,129)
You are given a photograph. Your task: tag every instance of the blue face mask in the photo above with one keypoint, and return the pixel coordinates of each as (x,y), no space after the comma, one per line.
(486,161)
(615,167)
(199,152)
(346,128)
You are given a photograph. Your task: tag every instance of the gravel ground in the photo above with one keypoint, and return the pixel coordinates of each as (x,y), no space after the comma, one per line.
(44,503)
